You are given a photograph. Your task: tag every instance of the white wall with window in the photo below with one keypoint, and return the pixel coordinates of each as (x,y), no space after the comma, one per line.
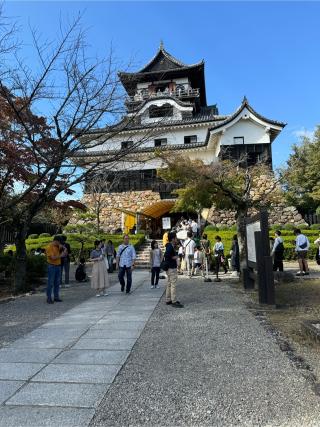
(253,133)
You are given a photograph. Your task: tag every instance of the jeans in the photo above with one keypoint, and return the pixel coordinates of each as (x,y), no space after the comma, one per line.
(122,271)
(54,280)
(155,271)
(65,265)
(110,263)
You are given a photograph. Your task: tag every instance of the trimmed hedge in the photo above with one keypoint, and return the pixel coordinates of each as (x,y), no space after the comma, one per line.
(287,235)
(75,240)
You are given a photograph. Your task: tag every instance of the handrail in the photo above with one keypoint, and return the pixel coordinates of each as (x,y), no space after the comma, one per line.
(178,93)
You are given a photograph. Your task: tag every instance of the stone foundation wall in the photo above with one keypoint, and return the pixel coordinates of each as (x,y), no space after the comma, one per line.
(263,185)
(131,201)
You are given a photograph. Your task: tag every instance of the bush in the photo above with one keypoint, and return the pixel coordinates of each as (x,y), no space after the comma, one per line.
(289,227)
(45,235)
(210,228)
(33,236)
(315,227)
(276,227)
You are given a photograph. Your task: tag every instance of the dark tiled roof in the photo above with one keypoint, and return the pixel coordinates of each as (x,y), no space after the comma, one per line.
(143,149)
(163,61)
(205,115)
(245,104)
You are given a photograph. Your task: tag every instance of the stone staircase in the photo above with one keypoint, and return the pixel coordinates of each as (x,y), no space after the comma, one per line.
(142,260)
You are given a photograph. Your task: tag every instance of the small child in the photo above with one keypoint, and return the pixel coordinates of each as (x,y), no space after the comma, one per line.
(198,259)
(81,275)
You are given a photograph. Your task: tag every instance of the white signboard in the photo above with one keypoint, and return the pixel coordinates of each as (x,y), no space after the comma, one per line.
(251,247)
(166,223)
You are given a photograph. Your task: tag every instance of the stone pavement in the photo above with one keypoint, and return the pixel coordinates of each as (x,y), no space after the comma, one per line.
(127,360)
(58,373)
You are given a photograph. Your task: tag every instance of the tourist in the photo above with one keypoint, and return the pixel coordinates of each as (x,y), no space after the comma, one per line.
(81,274)
(302,246)
(189,247)
(219,256)
(55,251)
(165,238)
(205,244)
(109,253)
(277,252)
(170,258)
(38,252)
(317,243)
(194,228)
(99,276)
(126,257)
(65,261)
(32,252)
(155,261)
(180,258)
(198,260)
(235,256)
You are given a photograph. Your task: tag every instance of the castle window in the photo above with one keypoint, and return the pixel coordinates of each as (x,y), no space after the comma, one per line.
(126,144)
(160,142)
(238,140)
(192,139)
(165,110)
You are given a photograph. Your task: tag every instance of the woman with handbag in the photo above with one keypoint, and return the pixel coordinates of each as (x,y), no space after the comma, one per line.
(99,278)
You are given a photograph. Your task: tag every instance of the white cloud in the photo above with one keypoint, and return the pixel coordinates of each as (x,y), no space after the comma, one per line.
(303,132)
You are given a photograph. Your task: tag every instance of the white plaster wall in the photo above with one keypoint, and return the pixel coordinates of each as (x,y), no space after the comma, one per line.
(253,133)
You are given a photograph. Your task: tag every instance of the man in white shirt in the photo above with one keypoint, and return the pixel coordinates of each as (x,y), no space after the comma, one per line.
(126,257)
(189,247)
(302,246)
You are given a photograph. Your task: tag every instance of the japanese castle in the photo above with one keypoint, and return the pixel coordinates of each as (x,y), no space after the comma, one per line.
(167,109)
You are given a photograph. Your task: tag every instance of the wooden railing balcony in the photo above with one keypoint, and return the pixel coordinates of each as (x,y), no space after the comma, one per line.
(178,93)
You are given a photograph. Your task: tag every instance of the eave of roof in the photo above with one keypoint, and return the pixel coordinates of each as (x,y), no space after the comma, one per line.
(142,150)
(177,62)
(245,104)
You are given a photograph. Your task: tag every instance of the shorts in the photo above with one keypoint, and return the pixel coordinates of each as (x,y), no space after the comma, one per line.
(302,254)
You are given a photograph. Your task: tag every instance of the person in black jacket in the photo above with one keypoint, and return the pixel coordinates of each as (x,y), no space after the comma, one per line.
(171,257)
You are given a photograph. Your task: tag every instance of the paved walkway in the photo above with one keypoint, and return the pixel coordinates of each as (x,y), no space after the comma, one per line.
(57,374)
(123,360)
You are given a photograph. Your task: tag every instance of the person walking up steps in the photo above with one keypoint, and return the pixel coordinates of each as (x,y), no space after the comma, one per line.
(170,258)
(126,257)
(155,261)
(100,278)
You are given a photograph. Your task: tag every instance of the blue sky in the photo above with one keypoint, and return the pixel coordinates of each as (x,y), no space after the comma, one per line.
(268,51)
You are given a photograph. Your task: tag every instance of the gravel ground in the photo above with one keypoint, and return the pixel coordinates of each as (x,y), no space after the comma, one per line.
(22,315)
(209,364)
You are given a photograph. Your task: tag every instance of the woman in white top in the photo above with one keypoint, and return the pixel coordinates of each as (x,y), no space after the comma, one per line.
(155,261)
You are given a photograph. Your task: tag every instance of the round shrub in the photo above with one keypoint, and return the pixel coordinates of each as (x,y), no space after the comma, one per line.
(211,228)
(315,227)
(33,236)
(45,235)
(276,227)
(289,227)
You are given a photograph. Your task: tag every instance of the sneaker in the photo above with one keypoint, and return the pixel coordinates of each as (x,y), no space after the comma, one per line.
(128,292)
(105,294)
(57,300)
(152,287)
(300,273)
(307,273)
(49,301)
(157,286)
(177,304)
(98,295)
(169,302)
(67,286)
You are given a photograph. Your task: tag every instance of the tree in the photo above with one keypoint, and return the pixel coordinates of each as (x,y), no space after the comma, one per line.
(223,184)
(96,187)
(48,115)
(301,177)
